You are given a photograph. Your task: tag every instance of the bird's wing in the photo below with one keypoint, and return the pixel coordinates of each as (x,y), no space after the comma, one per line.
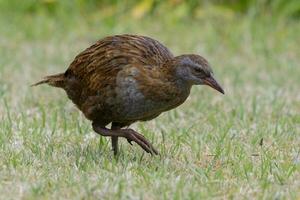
(97,66)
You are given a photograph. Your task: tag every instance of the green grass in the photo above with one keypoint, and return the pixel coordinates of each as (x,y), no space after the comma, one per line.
(210,146)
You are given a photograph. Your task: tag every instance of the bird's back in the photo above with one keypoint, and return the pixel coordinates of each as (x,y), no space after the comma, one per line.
(100,63)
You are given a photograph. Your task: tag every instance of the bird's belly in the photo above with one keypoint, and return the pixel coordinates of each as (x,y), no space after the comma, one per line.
(141,110)
(134,106)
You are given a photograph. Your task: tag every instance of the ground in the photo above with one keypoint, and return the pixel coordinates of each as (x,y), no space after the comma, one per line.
(241,145)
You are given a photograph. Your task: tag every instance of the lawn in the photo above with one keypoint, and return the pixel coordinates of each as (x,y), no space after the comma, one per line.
(241,145)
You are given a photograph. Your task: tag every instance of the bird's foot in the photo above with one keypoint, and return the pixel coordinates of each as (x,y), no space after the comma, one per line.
(132,135)
(129,134)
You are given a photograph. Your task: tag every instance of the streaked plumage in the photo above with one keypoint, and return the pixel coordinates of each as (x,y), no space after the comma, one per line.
(126,78)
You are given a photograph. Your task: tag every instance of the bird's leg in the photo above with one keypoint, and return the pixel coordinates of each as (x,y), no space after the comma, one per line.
(129,134)
(114,139)
(114,145)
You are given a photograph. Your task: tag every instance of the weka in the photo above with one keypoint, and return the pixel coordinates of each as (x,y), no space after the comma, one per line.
(122,79)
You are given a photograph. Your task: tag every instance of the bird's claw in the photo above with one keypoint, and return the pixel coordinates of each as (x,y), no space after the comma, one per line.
(141,141)
(129,141)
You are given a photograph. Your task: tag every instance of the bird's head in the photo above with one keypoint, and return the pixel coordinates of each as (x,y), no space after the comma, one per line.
(195,70)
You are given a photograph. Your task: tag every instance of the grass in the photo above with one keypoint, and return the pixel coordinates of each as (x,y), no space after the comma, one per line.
(243,145)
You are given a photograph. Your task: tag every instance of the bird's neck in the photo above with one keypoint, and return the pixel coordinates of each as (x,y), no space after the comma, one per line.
(170,75)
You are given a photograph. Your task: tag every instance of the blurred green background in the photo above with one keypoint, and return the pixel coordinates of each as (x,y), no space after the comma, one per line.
(64,13)
(210,146)
(138,9)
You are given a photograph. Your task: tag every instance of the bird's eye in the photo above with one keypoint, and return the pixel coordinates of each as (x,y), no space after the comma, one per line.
(199,70)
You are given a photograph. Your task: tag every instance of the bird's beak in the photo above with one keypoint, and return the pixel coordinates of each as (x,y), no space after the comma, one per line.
(214,84)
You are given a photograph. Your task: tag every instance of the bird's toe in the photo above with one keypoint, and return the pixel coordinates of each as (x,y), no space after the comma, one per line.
(141,141)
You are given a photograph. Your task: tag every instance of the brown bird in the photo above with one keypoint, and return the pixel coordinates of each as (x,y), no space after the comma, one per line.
(122,79)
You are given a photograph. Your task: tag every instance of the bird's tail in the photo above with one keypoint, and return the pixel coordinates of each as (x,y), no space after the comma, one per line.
(56,80)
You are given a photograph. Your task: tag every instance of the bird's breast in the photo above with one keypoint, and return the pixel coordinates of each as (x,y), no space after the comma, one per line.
(135,104)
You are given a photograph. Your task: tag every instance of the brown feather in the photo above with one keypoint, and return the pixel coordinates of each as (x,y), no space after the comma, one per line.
(123,78)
